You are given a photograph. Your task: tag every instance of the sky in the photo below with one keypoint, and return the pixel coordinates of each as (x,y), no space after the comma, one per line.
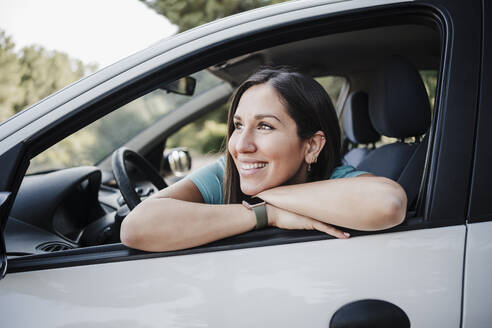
(94,31)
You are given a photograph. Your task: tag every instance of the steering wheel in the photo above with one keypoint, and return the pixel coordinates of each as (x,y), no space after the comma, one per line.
(120,171)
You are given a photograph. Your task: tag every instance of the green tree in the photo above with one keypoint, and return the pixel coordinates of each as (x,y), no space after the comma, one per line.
(187,14)
(33,74)
(44,72)
(10,77)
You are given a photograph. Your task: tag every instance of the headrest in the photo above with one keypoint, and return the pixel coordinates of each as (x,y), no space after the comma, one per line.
(356,123)
(399,106)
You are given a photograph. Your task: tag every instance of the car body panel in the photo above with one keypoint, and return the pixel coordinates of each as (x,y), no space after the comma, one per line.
(416,270)
(478,271)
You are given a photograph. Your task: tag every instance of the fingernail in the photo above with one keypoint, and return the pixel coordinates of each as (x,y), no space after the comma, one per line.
(346,234)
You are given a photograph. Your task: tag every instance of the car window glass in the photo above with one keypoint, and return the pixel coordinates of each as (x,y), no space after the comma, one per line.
(98,140)
(429,77)
(204,138)
(333,86)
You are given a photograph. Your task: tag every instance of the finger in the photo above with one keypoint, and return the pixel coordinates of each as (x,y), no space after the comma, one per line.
(326,228)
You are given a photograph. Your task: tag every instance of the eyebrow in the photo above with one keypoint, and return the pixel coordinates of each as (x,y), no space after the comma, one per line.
(260,116)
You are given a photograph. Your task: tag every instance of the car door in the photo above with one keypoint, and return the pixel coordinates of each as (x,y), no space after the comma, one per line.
(271,277)
(478,269)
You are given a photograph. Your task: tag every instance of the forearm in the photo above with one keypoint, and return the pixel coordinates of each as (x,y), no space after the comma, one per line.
(168,224)
(363,203)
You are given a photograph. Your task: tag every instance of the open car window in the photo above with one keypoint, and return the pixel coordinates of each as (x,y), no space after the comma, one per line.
(98,140)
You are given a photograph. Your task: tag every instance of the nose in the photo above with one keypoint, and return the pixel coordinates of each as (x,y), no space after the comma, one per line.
(245,142)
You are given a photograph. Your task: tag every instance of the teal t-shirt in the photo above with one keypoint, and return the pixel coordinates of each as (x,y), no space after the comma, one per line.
(209,179)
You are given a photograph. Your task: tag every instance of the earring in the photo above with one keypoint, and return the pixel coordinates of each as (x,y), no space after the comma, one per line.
(309,164)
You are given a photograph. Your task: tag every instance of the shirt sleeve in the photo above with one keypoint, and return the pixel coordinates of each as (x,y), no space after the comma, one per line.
(209,181)
(346,171)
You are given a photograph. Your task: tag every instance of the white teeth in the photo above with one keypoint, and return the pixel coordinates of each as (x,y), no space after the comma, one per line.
(252,166)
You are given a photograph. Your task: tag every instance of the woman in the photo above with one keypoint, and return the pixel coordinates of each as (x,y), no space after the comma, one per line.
(283,147)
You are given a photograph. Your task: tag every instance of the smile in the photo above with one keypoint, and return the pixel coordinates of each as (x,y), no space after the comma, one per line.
(251,166)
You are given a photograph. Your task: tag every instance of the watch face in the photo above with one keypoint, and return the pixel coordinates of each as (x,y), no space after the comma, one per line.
(255,201)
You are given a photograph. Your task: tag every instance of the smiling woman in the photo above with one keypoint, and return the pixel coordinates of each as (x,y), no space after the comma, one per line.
(283,148)
(306,133)
(262,146)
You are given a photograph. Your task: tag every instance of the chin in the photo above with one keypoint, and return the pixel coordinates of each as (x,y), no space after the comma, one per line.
(251,191)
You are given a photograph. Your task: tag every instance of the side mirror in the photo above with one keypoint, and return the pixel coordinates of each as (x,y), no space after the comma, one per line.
(177,161)
(183,86)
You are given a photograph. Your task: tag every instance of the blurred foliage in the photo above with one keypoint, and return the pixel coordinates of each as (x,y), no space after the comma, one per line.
(187,14)
(98,140)
(32,74)
(430,83)
(333,86)
(10,77)
(205,135)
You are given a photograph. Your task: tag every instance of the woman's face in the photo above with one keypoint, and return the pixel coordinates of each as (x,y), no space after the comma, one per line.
(264,145)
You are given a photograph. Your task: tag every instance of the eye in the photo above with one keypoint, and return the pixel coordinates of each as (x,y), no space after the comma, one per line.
(264,126)
(238,125)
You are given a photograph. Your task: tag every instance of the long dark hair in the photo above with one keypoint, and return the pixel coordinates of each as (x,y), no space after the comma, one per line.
(308,105)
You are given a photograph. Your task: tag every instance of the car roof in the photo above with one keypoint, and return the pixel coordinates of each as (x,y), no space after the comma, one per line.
(349,53)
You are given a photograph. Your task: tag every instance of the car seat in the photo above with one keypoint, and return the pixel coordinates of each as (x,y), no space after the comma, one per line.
(399,108)
(357,128)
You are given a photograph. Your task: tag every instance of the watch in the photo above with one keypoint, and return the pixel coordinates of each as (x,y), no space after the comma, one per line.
(258,206)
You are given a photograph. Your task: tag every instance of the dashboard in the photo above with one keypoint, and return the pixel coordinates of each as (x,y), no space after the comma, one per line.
(62,210)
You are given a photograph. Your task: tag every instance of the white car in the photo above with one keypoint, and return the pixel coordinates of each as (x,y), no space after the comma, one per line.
(63,264)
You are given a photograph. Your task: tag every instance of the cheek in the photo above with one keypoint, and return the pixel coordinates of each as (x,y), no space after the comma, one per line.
(285,149)
(287,157)
(231,146)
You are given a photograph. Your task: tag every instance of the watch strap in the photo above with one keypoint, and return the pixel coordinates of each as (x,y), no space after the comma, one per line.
(261,216)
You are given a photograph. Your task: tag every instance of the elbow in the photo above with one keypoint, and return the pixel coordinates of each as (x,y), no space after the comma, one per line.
(129,235)
(393,206)
(395,212)
(143,228)
(131,231)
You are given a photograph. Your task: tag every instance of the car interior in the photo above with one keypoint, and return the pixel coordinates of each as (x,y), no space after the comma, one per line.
(385,107)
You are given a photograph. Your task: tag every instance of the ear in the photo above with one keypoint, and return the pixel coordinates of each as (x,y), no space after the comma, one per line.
(314,146)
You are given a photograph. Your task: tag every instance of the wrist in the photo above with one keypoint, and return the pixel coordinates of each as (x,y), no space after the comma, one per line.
(272,214)
(251,217)
(258,207)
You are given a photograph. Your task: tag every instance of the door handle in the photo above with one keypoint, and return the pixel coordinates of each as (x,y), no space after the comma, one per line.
(370,313)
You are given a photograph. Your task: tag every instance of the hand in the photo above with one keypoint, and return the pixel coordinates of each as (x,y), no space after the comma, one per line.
(283,219)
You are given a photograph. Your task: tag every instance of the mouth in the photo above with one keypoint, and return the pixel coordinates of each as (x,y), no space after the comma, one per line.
(251,168)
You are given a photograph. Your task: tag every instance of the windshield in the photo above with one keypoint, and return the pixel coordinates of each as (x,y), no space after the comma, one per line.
(98,140)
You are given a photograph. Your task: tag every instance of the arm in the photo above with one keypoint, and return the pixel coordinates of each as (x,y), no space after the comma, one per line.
(176,218)
(162,223)
(366,202)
